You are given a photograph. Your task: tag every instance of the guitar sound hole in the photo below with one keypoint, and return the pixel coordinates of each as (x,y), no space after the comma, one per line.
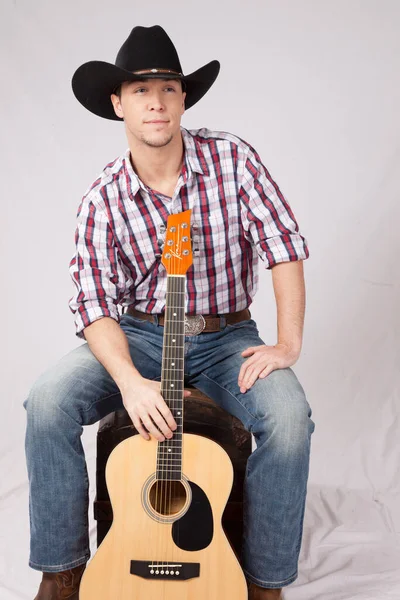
(167,497)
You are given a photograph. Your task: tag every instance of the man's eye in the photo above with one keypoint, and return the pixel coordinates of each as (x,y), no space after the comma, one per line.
(144,89)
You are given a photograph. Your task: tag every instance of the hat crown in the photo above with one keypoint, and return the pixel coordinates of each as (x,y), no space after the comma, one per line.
(147,52)
(148,48)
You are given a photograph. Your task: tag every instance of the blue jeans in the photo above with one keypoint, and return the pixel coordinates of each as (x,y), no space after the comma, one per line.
(78,391)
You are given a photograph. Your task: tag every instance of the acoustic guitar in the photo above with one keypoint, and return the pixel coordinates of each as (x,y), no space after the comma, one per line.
(166,541)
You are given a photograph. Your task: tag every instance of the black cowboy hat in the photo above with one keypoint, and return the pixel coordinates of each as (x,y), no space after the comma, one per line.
(147,53)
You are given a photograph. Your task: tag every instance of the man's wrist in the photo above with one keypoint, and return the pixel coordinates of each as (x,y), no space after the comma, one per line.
(126,379)
(294,348)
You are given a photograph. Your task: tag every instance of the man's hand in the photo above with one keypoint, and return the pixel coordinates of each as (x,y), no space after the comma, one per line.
(146,406)
(263,360)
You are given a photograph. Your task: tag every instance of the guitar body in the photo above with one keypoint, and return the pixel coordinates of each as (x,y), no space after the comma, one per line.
(166,540)
(172,526)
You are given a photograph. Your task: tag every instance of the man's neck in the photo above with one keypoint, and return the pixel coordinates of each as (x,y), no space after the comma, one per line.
(158,166)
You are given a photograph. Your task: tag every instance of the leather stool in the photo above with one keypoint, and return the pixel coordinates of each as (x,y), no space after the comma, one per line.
(201,416)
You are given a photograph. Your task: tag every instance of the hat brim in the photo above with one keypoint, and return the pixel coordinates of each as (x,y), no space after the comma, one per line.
(95,81)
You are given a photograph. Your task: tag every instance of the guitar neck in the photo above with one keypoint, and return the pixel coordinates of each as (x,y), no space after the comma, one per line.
(169,453)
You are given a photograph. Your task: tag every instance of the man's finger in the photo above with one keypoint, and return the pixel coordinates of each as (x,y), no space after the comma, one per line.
(268,369)
(151,428)
(140,429)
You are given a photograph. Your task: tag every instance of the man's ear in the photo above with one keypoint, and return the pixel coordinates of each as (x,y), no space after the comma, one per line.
(117,105)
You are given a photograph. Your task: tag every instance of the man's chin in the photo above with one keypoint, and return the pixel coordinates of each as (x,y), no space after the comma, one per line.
(157,141)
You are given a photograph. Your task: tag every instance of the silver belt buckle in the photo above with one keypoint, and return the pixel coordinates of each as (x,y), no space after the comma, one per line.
(194,324)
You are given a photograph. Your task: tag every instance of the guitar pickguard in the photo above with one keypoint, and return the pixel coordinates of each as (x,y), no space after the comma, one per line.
(194,531)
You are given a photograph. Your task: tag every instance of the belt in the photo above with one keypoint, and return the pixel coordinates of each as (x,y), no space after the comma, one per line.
(195,324)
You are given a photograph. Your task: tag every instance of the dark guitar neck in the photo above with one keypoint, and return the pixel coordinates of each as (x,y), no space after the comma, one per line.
(169,453)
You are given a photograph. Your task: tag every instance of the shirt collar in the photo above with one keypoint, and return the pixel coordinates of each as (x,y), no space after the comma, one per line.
(194,157)
(193,162)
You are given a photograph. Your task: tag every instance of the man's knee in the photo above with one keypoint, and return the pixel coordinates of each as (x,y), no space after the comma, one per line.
(283,412)
(56,393)
(46,397)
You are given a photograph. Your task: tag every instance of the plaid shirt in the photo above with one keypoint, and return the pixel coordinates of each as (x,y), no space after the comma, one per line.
(238,216)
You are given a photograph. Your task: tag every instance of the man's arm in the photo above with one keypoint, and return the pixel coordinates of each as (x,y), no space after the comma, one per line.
(270,225)
(141,397)
(110,346)
(290,296)
(289,288)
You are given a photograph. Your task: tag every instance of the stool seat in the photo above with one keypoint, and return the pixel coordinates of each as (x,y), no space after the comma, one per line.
(202,416)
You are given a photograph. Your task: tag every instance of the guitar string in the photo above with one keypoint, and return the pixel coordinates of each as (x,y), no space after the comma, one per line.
(178,282)
(160,448)
(166,379)
(157,481)
(180,323)
(169,482)
(170,297)
(175,331)
(176,301)
(170,332)
(171,403)
(178,331)
(178,285)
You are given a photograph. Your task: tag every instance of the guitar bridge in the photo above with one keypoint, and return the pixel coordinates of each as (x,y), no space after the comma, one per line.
(148,569)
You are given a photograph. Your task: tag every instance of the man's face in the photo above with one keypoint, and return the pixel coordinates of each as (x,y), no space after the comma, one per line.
(151,109)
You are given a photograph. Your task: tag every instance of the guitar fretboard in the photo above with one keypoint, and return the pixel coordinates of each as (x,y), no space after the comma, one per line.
(169,452)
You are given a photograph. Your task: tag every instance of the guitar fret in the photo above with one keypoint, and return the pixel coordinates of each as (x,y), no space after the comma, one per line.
(170,443)
(176,440)
(176,358)
(170,457)
(173,346)
(178,443)
(174,307)
(173,470)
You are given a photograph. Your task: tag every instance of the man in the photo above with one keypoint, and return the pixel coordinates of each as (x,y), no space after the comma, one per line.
(238,215)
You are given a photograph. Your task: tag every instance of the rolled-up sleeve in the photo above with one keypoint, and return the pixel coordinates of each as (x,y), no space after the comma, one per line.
(95,268)
(267,218)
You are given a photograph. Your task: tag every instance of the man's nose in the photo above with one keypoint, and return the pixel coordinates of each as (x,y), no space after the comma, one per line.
(155,101)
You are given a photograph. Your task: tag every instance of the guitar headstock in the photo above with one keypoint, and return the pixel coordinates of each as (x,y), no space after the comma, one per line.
(177,254)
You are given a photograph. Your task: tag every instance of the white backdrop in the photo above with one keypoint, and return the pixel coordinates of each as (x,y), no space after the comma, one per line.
(314,87)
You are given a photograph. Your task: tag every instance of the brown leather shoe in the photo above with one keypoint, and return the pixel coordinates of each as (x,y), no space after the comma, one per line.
(63,585)
(259,593)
